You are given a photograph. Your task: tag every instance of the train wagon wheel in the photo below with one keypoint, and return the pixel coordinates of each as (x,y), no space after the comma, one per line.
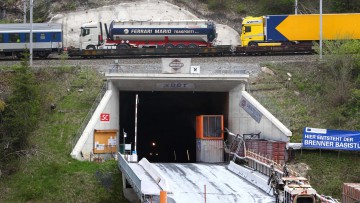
(253,44)
(43,55)
(181,46)
(193,46)
(91,47)
(169,46)
(122,46)
(19,55)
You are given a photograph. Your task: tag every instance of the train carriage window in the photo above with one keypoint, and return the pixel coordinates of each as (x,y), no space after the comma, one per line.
(53,37)
(14,38)
(1,38)
(42,36)
(27,37)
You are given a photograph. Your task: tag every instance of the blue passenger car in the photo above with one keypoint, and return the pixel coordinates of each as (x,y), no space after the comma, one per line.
(15,39)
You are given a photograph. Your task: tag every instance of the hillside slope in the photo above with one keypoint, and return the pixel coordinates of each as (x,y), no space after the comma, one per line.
(44,170)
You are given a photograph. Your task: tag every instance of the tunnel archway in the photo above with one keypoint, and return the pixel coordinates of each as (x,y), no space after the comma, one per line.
(166,122)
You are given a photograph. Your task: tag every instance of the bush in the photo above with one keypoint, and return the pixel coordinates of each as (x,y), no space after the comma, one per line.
(240,8)
(19,117)
(345,6)
(217,4)
(277,7)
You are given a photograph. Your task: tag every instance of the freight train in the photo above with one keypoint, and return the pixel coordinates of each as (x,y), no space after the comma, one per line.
(15,38)
(259,35)
(148,34)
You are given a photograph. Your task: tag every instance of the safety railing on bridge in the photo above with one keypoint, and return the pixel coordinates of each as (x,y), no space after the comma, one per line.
(89,114)
(132,178)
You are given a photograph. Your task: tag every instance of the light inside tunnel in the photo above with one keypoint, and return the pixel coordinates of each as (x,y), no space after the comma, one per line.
(166,122)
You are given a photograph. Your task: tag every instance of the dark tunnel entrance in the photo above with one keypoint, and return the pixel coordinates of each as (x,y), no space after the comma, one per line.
(166,122)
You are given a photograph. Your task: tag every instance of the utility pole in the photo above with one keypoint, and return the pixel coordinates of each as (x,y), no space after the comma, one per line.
(31,32)
(296,7)
(24,1)
(136,112)
(321,27)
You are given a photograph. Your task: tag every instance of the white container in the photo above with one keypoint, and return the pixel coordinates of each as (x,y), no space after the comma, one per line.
(134,158)
(209,151)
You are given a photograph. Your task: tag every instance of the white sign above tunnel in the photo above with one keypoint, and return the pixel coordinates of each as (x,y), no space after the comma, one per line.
(176,65)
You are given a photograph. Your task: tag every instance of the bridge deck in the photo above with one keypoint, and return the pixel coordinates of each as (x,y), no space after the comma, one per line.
(187,184)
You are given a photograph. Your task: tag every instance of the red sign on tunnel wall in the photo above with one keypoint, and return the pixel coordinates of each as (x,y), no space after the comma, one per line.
(104,117)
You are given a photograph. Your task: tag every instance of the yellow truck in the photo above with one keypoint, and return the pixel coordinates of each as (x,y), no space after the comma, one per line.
(277,30)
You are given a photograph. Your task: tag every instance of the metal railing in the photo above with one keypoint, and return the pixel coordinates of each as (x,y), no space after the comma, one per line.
(89,115)
(130,175)
(263,165)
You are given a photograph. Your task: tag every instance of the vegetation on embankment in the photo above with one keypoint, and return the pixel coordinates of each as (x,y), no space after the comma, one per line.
(36,141)
(319,94)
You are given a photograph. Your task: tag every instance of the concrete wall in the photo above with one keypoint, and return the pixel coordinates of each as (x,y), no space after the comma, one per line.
(247,115)
(108,104)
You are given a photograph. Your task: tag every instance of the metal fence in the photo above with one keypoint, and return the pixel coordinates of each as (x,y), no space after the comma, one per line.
(132,178)
(89,115)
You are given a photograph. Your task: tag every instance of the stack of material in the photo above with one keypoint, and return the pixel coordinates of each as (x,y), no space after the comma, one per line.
(351,193)
(274,150)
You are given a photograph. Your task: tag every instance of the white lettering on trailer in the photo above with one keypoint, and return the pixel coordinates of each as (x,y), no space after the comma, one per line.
(141,31)
(184,31)
(162,31)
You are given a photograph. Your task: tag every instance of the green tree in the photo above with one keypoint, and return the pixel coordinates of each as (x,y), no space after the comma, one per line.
(342,60)
(218,4)
(19,117)
(277,7)
(342,65)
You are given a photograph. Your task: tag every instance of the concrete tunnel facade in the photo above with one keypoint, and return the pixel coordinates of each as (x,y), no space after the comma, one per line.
(161,95)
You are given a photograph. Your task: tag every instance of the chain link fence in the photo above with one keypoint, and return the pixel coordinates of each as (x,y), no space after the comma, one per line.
(89,114)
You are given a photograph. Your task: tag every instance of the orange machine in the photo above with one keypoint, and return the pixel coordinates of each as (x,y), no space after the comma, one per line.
(210,138)
(210,127)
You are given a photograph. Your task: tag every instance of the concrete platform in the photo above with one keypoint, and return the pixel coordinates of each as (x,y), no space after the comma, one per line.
(148,185)
(188,181)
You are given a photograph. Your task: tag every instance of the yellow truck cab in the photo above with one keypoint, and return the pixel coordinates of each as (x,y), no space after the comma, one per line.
(252,31)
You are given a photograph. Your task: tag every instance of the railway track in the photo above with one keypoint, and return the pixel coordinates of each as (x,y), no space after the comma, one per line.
(230,58)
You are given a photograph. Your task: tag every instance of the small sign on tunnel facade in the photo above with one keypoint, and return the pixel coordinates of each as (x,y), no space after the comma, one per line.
(195,69)
(251,109)
(105,117)
(175,85)
(176,65)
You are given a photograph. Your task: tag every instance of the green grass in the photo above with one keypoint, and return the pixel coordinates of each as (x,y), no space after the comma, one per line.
(329,169)
(46,172)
